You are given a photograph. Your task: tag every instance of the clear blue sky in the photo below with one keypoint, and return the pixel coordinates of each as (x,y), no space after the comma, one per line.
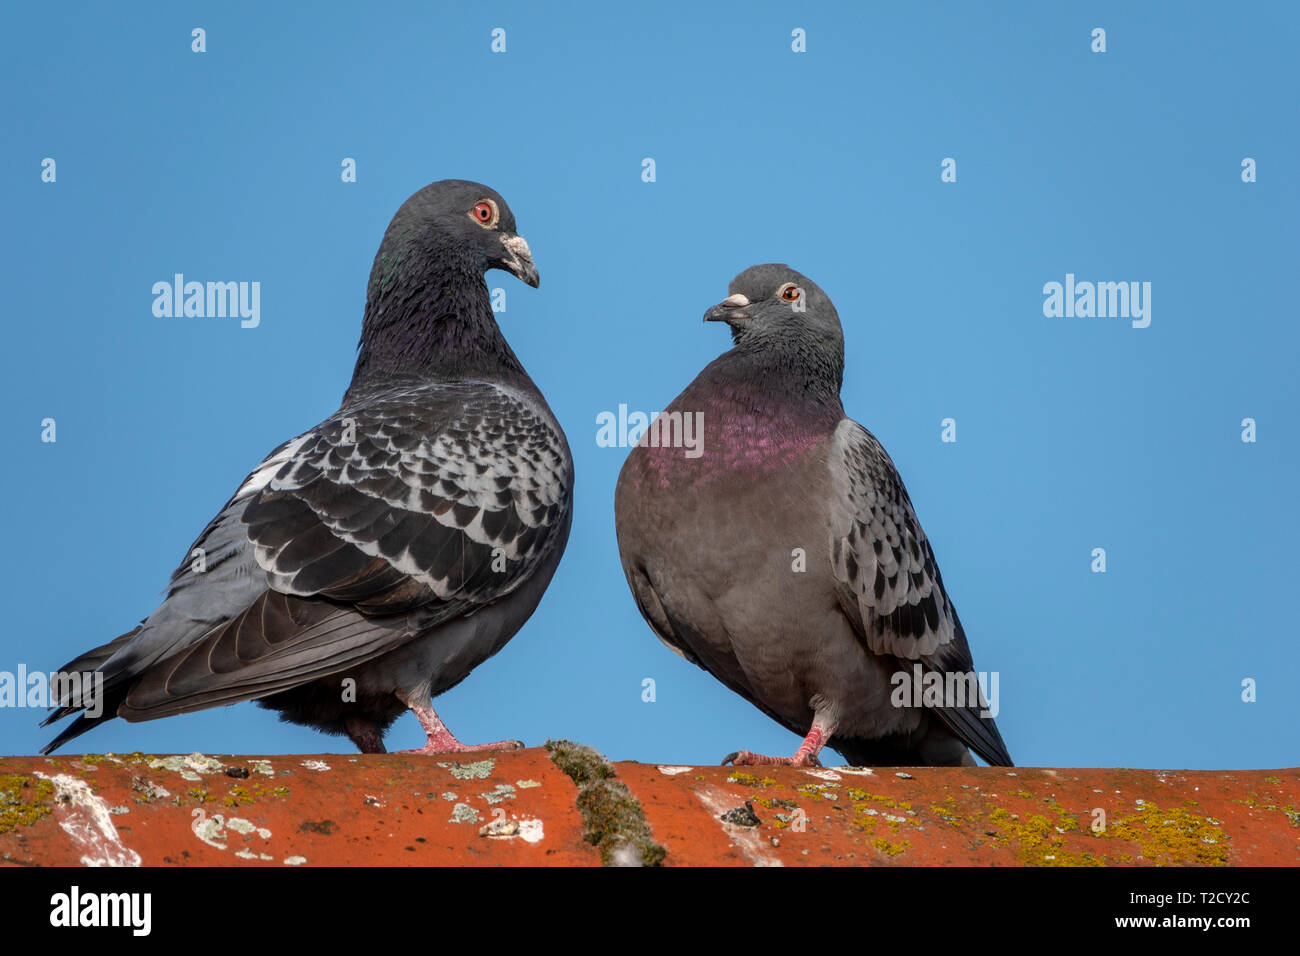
(1072,433)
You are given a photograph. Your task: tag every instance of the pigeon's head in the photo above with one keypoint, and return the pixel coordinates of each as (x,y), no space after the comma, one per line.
(773,303)
(470,220)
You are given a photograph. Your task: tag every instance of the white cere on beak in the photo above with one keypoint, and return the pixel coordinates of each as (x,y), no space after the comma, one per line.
(518,248)
(735,301)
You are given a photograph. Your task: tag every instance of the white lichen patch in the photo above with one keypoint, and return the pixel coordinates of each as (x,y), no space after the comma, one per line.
(858,771)
(318,765)
(478,770)
(240,825)
(674,771)
(449,796)
(150,789)
(294,860)
(262,767)
(211,830)
(189,767)
(502,793)
(247,854)
(463,813)
(526,784)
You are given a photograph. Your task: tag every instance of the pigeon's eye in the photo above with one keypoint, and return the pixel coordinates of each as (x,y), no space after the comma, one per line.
(485,213)
(790,292)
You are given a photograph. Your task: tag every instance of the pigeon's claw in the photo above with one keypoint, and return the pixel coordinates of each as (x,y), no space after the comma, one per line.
(805,756)
(746,758)
(454,746)
(440,739)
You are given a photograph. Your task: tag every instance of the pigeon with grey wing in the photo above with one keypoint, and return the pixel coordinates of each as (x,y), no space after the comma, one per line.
(782,554)
(371,563)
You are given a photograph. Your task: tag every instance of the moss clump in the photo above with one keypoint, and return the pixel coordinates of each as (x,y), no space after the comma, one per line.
(857,796)
(580,763)
(616,825)
(749,780)
(818,791)
(946,814)
(1038,839)
(23,800)
(1173,836)
(890,849)
(779,803)
(613,820)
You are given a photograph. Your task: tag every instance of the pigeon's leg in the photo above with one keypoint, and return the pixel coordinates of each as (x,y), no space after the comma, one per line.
(365,734)
(441,740)
(805,756)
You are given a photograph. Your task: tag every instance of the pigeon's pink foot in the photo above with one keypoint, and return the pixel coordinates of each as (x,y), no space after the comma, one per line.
(450,745)
(443,741)
(805,756)
(746,758)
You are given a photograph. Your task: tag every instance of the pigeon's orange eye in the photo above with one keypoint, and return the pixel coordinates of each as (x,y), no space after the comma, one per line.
(485,212)
(790,293)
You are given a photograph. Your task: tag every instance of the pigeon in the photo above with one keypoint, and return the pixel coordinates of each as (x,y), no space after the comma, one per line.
(369,564)
(780,551)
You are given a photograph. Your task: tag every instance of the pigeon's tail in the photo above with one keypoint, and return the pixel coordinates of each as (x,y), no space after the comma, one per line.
(76,729)
(978,733)
(71,699)
(93,659)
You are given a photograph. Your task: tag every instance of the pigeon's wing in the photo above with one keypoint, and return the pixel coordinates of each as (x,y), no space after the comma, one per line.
(398,513)
(671,632)
(438,497)
(679,637)
(216,580)
(888,582)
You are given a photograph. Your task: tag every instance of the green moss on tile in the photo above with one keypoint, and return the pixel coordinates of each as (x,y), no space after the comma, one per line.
(749,780)
(580,763)
(890,849)
(1172,837)
(613,820)
(23,800)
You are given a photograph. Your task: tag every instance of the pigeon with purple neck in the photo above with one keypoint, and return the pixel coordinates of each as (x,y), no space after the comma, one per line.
(787,559)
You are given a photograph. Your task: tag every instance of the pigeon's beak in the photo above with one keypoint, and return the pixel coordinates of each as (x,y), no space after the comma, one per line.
(519,261)
(729,310)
